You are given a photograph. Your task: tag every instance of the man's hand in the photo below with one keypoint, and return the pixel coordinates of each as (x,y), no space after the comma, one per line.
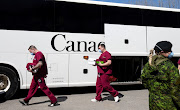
(100,64)
(105,64)
(178,67)
(30,70)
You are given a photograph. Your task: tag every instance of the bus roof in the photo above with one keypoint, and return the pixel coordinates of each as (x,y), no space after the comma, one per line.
(122,5)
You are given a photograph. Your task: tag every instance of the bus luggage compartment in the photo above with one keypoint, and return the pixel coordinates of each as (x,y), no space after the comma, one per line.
(127,69)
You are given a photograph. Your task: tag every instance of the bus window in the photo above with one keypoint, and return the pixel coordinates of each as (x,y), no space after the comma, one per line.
(33,15)
(78,18)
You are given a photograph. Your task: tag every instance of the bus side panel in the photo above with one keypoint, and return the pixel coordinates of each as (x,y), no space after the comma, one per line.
(125,40)
(80,72)
(156,34)
(55,46)
(58,70)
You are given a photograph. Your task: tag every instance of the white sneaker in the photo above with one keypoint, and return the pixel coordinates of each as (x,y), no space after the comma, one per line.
(116,99)
(94,100)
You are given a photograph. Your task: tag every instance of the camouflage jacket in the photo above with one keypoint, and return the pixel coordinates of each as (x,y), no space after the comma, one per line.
(159,78)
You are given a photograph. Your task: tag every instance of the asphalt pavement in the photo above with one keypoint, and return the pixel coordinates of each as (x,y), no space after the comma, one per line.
(132,97)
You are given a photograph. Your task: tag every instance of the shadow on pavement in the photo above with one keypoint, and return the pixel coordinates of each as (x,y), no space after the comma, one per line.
(110,97)
(62,98)
(39,102)
(59,99)
(74,90)
(2,99)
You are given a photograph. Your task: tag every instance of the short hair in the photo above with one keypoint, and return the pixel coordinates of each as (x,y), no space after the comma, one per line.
(32,47)
(102,44)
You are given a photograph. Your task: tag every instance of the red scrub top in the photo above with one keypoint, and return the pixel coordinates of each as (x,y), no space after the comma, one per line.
(179,62)
(106,69)
(42,71)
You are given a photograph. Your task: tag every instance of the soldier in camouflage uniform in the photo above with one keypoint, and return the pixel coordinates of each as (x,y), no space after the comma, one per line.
(159,76)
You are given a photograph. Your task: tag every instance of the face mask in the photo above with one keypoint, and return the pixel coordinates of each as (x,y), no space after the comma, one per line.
(170,55)
(32,54)
(100,50)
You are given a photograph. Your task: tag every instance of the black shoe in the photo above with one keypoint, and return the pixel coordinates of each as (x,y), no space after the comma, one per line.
(23,102)
(53,104)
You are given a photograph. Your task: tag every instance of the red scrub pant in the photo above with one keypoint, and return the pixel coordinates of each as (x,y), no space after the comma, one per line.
(104,83)
(36,82)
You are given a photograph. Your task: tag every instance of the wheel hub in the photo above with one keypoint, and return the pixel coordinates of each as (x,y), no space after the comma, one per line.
(3,82)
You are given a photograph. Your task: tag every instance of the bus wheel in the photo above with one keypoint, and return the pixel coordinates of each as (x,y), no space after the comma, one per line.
(8,82)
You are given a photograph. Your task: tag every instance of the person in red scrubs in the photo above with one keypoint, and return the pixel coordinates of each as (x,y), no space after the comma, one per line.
(39,71)
(104,67)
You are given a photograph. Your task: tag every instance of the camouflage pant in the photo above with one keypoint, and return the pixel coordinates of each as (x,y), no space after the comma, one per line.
(159,101)
(176,96)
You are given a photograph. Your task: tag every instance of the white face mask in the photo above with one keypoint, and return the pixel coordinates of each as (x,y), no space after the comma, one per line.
(100,50)
(32,53)
(170,55)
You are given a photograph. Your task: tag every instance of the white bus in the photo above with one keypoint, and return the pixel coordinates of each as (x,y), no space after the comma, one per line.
(67,30)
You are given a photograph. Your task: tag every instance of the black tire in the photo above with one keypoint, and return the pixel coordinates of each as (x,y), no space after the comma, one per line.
(14,83)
